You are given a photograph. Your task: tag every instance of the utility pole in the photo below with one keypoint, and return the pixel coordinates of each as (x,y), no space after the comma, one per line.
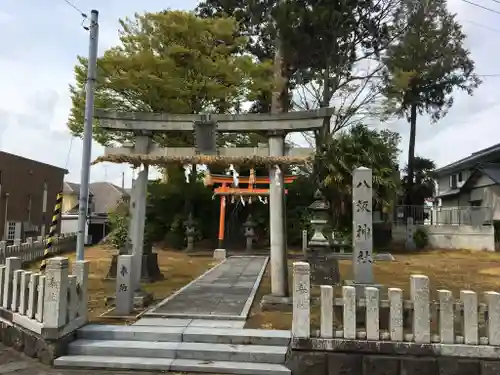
(87,134)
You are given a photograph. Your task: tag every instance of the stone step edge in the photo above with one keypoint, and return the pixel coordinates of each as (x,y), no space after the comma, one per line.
(165,364)
(92,331)
(179,346)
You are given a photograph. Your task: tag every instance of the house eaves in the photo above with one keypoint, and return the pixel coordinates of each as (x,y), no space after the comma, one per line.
(470,161)
(448,193)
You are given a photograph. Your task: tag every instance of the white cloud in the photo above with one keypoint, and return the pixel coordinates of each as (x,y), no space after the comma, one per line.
(37,63)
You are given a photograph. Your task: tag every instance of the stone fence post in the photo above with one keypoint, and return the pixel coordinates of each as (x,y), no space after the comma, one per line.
(301,323)
(81,271)
(55,307)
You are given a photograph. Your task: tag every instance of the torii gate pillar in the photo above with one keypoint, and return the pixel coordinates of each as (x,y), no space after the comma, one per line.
(279,266)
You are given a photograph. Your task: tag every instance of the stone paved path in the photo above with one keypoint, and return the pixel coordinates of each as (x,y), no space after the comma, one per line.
(225,292)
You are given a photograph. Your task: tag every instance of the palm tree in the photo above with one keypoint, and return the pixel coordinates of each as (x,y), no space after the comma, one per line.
(348,150)
(423,185)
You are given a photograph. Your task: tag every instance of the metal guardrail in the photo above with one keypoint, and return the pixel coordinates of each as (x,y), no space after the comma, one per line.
(464,215)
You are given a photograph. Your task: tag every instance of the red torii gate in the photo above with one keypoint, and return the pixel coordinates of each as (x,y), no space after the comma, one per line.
(226,189)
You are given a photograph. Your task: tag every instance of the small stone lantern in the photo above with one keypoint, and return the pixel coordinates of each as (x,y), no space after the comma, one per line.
(190,226)
(249,232)
(324,264)
(318,209)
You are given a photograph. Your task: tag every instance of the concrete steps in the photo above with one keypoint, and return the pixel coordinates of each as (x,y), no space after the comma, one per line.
(180,349)
(167,364)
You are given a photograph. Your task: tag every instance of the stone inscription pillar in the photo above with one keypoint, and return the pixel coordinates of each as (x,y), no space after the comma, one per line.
(362,231)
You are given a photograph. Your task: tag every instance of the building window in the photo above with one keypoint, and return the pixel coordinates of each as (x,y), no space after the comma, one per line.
(0,177)
(11,231)
(460,177)
(476,203)
(453,181)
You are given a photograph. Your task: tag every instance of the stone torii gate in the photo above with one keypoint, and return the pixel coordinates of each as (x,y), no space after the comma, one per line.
(206,127)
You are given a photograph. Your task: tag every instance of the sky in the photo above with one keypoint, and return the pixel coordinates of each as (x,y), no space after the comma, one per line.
(37,60)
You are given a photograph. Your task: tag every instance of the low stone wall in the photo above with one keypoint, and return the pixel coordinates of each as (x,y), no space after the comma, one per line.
(33,250)
(40,312)
(33,345)
(355,357)
(363,334)
(469,237)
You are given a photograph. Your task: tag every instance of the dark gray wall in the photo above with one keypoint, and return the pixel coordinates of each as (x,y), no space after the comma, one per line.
(334,363)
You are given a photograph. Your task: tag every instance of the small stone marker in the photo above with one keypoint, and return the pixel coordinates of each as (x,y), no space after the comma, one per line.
(410,230)
(124,289)
(362,196)
(304,241)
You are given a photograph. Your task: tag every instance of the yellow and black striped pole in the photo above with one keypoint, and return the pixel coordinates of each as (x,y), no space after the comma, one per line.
(53,230)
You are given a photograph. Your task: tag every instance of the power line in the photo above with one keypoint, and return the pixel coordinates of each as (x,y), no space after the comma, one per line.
(496,1)
(482,26)
(84,15)
(69,152)
(482,7)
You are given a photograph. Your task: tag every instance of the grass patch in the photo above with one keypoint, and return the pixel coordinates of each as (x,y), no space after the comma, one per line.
(178,268)
(453,270)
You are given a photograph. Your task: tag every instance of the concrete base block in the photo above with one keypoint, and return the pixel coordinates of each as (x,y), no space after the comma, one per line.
(220,254)
(276,303)
(142,298)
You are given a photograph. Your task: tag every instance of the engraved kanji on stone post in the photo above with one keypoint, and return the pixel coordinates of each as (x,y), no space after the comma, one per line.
(362,232)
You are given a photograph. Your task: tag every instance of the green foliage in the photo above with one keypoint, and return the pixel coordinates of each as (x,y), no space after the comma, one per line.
(421,238)
(428,61)
(424,180)
(169,205)
(313,49)
(424,65)
(359,147)
(118,222)
(170,62)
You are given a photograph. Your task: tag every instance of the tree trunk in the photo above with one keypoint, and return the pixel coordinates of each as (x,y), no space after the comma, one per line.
(411,154)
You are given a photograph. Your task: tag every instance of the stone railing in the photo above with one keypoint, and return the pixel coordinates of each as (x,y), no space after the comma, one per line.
(33,250)
(52,304)
(406,322)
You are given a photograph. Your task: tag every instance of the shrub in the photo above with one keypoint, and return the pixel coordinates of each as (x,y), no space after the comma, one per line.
(421,238)
(119,229)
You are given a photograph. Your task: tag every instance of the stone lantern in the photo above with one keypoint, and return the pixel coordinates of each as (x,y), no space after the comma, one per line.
(319,209)
(249,232)
(190,226)
(323,262)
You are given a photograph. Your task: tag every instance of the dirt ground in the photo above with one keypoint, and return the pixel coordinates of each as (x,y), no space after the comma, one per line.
(452,270)
(178,268)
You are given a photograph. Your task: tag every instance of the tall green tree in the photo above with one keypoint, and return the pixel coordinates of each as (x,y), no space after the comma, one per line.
(320,40)
(356,147)
(424,66)
(171,62)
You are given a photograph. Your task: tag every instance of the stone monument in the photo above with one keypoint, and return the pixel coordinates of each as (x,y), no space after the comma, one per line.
(362,230)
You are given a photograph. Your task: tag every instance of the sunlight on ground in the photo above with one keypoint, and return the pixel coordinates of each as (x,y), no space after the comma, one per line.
(452,270)
(177,267)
